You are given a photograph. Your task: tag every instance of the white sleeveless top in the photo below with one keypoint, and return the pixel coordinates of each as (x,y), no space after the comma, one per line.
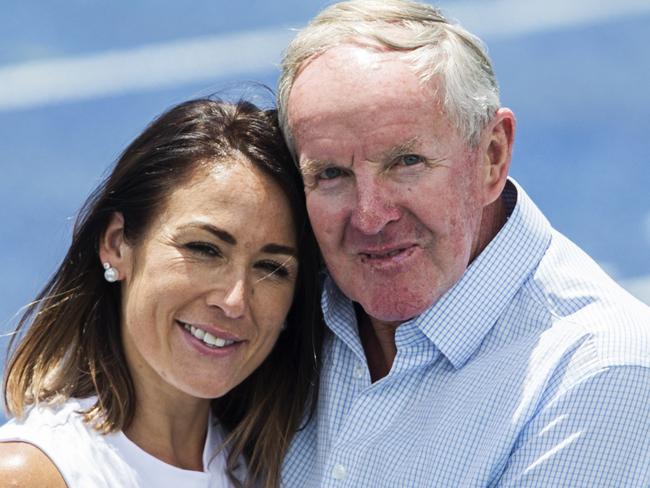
(88,459)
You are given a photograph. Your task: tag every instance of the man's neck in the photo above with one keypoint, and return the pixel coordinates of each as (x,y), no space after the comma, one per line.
(493,219)
(378,341)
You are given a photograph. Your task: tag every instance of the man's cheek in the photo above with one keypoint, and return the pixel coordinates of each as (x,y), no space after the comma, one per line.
(326,219)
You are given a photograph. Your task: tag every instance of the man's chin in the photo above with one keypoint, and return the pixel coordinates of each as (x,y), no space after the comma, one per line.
(388,312)
(389,302)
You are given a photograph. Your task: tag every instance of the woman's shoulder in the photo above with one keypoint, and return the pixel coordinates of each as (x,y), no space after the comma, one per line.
(36,448)
(25,465)
(46,421)
(60,436)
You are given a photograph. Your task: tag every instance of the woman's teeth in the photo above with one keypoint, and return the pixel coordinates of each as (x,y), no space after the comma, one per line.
(206,337)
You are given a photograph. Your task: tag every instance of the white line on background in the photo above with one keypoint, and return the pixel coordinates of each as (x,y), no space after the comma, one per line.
(51,81)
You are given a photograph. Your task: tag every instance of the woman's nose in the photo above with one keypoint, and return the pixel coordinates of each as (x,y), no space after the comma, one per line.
(231,299)
(235,300)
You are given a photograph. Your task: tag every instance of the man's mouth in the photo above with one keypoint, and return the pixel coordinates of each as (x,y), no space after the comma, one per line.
(387,254)
(383,255)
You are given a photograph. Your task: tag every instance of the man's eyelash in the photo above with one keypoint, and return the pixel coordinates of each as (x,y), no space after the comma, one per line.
(333,171)
(409,159)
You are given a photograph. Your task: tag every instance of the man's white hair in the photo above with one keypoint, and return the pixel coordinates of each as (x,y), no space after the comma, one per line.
(434,46)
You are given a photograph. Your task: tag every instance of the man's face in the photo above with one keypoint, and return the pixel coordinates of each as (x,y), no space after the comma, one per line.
(394,194)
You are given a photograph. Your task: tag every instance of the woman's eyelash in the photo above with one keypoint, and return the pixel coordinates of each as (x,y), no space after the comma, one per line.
(274,268)
(204,248)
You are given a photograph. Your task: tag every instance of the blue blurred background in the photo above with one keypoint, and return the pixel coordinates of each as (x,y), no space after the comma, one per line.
(79,79)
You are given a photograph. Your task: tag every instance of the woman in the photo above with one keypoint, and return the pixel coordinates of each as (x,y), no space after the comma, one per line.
(186,309)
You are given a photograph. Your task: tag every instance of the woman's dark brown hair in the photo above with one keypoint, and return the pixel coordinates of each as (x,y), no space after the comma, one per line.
(72,343)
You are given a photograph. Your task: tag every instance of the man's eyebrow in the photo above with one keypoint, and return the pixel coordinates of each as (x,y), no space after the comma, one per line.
(400,149)
(221,234)
(311,167)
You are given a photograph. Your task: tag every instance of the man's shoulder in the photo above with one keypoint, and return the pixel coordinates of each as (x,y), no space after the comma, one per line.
(571,286)
(570,317)
(585,328)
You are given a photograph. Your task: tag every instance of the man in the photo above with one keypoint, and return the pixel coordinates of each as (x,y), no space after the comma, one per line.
(470,344)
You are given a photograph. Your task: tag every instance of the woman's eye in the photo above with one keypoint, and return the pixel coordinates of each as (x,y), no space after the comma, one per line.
(273,268)
(410,159)
(330,173)
(204,249)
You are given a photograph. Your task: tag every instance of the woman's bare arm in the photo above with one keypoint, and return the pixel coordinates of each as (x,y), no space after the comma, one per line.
(23,465)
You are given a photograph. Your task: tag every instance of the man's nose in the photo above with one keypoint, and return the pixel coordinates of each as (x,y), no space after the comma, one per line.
(375,207)
(232,298)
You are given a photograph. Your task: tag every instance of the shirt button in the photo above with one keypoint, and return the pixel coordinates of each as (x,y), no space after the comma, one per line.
(339,472)
(359,371)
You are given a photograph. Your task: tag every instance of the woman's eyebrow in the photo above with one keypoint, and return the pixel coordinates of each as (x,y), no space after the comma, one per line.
(228,238)
(279,249)
(221,234)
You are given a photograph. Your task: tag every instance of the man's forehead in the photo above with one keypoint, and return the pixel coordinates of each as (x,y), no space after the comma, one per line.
(342,55)
(323,102)
(358,102)
(342,66)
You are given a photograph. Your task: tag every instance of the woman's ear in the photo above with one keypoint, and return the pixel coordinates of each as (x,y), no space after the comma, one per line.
(114,252)
(498,153)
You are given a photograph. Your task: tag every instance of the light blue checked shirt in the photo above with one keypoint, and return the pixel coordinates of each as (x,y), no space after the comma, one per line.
(533,370)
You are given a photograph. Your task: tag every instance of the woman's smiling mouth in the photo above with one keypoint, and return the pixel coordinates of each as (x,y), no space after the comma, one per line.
(206,337)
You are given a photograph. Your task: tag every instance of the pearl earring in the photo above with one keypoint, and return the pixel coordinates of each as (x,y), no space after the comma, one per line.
(110,273)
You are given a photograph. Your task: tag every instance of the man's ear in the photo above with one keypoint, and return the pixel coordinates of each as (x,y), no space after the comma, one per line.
(113,248)
(497,153)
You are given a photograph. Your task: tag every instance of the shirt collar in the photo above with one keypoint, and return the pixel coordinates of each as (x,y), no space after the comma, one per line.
(340,316)
(458,322)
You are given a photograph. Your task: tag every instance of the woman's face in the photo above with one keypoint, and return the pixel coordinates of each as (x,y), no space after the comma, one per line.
(209,286)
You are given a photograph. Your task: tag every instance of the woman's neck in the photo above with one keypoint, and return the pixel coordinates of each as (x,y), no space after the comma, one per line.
(173,429)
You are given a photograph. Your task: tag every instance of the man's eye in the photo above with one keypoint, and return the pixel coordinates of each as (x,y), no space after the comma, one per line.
(204,248)
(410,159)
(330,173)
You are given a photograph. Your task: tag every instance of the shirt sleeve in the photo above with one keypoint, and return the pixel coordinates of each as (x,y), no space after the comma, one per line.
(595,434)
